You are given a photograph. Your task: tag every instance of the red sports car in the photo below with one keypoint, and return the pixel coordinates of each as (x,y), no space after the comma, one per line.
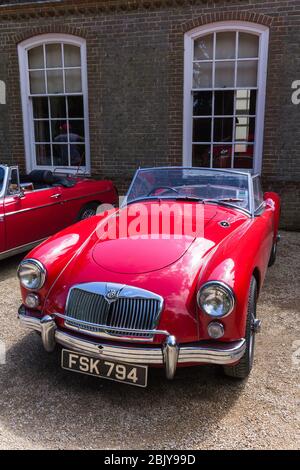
(36,206)
(170,279)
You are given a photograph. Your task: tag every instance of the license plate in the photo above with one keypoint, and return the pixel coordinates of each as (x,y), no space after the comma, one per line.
(105,368)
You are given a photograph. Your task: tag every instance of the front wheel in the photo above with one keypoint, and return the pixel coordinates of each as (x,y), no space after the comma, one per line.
(242,369)
(88,211)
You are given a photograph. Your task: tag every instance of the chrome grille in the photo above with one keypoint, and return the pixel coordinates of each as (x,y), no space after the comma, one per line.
(133,309)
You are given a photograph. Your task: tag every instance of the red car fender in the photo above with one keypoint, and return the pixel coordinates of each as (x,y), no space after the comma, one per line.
(56,252)
(234,262)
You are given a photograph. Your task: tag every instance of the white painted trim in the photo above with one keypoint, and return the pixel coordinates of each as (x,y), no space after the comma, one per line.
(28,127)
(241,26)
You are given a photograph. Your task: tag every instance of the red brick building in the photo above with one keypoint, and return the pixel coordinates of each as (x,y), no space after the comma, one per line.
(113,85)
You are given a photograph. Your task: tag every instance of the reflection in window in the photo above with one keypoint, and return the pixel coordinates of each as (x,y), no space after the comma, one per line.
(225,66)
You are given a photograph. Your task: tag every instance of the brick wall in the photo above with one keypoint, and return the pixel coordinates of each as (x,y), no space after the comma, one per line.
(135,80)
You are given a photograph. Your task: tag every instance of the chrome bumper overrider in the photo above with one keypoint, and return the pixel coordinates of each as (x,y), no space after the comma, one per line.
(169,354)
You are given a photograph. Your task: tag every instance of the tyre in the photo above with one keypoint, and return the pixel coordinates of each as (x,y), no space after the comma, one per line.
(273,254)
(242,369)
(88,211)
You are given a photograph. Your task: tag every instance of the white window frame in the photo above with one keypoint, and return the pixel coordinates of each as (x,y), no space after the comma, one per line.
(28,124)
(241,26)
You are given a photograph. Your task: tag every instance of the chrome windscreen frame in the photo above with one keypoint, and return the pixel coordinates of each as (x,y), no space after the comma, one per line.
(249,175)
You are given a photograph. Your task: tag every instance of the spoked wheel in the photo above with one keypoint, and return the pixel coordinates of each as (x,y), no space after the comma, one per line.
(242,369)
(88,211)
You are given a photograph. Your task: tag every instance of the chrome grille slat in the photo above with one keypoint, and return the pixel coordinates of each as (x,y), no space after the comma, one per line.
(88,303)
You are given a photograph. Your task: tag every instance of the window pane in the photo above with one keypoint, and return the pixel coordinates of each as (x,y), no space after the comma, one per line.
(72,56)
(225,45)
(36,58)
(77,153)
(55,81)
(76,130)
(247,73)
(222,156)
(41,131)
(37,82)
(223,128)
(43,154)
(202,130)
(58,107)
(60,155)
(202,76)
(40,108)
(201,155)
(202,103)
(244,129)
(53,55)
(224,75)
(59,131)
(243,156)
(203,47)
(248,45)
(73,80)
(246,102)
(224,101)
(75,106)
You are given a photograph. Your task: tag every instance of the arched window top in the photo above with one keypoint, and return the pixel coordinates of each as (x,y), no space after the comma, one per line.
(51,38)
(246,26)
(54,98)
(225,79)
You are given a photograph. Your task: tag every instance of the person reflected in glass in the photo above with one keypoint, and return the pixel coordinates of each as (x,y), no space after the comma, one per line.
(66,135)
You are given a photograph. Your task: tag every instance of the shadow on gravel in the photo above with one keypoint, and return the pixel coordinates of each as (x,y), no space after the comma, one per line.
(45,404)
(9,266)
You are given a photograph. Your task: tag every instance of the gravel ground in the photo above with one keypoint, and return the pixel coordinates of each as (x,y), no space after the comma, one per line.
(42,406)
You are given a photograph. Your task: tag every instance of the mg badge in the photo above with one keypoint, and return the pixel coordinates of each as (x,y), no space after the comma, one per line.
(112,294)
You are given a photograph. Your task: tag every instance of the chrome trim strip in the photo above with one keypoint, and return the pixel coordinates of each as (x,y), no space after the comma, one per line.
(59,202)
(197,353)
(20,249)
(8,214)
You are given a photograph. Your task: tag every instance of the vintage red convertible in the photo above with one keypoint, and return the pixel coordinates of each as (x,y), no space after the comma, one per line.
(35,206)
(170,279)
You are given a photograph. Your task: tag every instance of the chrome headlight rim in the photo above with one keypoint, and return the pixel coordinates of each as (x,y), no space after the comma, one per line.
(42,272)
(223,286)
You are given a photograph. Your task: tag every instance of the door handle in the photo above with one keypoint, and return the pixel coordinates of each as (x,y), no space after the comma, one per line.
(55,196)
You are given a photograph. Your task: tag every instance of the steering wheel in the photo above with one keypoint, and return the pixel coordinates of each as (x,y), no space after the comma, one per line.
(169,188)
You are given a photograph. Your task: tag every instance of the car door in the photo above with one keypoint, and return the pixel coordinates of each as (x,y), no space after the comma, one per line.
(30,215)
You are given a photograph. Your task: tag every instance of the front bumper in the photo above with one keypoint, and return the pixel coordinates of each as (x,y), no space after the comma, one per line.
(169,354)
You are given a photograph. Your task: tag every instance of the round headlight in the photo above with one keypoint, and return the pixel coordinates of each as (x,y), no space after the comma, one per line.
(32,274)
(216,299)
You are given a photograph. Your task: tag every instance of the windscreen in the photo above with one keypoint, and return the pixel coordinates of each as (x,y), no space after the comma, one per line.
(194,183)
